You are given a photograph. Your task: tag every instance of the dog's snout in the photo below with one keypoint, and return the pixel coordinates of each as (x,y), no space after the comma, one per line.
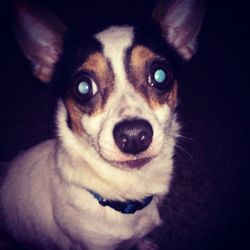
(133,136)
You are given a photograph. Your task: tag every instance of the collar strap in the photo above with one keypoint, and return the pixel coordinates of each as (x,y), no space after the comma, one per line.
(126,207)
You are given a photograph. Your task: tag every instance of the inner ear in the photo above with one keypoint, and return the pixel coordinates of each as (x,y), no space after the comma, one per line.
(180,21)
(39,33)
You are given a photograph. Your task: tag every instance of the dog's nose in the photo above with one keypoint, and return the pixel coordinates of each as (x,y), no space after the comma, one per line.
(133,136)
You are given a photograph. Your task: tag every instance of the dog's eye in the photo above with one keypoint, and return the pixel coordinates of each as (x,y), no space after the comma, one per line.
(84,88)
(160,77)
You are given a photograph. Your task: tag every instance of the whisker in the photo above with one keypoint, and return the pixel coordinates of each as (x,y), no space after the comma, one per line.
(182,149)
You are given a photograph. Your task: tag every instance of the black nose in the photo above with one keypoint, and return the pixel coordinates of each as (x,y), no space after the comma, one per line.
(133,136)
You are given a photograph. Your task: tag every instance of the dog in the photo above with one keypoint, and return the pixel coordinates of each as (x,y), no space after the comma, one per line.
(99,184)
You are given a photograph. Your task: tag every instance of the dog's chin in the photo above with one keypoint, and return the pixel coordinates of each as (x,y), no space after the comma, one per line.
(135,163)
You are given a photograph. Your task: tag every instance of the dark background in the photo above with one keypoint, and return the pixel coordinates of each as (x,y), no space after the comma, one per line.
(208,203)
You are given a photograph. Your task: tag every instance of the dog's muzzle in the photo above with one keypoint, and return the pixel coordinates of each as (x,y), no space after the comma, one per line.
(133,136)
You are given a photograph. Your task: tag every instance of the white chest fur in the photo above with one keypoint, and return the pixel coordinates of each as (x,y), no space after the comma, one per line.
(38,205)
(100,227)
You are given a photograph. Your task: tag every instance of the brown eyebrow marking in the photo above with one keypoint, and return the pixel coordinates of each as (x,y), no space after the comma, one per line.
(97,63)
(138,70)
(139,56)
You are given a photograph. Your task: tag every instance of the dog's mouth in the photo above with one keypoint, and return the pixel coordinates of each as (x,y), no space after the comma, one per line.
(135,163)
(132,162)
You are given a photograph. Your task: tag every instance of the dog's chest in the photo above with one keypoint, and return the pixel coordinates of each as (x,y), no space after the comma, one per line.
(99,227)
(114,230)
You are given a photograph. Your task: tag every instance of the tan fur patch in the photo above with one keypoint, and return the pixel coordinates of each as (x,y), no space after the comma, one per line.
(172,98)
(169,98)
(96,63)
(139,56)
(75,115)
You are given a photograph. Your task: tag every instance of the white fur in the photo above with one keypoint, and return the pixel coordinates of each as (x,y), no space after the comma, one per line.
(44,197)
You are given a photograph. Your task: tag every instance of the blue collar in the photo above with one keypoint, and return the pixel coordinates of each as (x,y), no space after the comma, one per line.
(127,207)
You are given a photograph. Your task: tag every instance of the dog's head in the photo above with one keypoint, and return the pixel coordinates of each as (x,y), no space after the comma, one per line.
(119,86)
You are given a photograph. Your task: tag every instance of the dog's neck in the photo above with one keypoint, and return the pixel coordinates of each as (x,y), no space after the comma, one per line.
(126,207)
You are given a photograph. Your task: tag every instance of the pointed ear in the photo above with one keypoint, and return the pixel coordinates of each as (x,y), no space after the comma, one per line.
(40,35)
(180,21)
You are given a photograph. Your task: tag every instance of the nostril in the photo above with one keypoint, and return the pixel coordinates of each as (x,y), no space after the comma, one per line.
(133,136)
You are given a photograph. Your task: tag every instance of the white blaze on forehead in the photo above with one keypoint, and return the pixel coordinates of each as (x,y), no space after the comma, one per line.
(115,41)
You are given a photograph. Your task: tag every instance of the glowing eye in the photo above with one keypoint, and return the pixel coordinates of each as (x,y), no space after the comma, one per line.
(84,88)
(160,77)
